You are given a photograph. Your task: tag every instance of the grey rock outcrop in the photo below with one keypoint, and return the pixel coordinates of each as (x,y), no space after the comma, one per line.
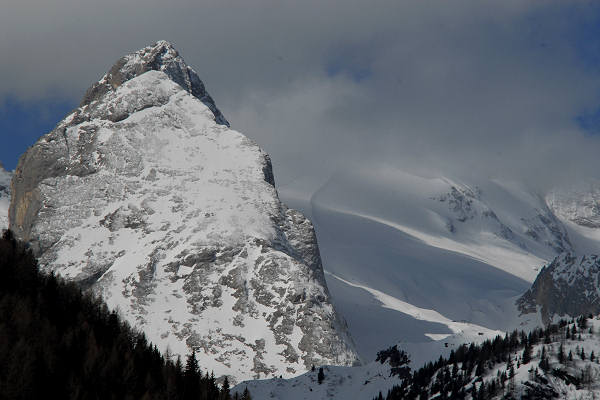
(5,177)
(146,197)
(467,205)
(579,203)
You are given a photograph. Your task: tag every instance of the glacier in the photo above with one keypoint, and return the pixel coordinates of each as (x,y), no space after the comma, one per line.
(411,254)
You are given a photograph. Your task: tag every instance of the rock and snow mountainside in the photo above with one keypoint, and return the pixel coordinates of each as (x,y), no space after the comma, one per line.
(569,285)
(561,363)
(5,177)
(144,195)
(412,256)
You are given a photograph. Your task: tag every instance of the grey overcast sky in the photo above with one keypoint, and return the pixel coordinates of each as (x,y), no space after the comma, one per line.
(509,88)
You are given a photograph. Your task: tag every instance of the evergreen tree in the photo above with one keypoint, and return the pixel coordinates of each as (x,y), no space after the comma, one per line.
(191,375)
(246,394)
(561,354)
(57,342)
(526,353)
(191,365)
(225,389)
(479,370)
(321,375)
(544,364)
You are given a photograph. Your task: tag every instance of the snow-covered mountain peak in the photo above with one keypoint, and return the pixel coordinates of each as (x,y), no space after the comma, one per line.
(161,56)
(144,197)
(566,286)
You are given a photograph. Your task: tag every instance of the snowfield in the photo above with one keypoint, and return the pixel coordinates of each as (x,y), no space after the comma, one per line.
(361,382)
(466,250)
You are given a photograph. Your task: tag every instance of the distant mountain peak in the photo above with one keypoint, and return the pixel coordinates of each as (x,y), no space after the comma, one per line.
(161,56)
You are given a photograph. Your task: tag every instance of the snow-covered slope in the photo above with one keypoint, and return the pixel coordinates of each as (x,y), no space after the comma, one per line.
(5,177)
(146,196)
(464,249)
(561,363)
(340,383)
(572,374)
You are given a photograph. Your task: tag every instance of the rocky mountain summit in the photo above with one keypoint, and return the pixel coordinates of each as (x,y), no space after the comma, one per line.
(5,177)
(146,197)
(569,285)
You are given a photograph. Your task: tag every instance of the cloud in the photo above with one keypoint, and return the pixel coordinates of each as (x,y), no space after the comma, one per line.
(491,88)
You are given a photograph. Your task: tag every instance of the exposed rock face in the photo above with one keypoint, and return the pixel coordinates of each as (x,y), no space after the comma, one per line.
(467,205)
(144,195)
(569,285)
(160,57)
(5,177)
(579,204)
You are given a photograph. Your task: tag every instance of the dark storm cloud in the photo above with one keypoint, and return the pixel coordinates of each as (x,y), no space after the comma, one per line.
(491,88)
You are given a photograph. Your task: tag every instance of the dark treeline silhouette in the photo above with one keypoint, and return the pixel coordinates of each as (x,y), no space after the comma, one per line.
(58,342)
(451,377)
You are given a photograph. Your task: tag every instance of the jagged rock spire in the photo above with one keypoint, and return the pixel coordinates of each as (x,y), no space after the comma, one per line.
(161,56)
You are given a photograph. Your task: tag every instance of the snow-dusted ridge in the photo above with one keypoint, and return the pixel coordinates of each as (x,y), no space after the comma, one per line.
(144,195)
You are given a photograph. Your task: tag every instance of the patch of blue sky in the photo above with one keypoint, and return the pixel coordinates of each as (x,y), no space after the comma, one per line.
(22,123)
(350,60)
(585,41)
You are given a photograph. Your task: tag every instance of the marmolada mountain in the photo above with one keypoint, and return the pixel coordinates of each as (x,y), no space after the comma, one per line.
(145,196)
